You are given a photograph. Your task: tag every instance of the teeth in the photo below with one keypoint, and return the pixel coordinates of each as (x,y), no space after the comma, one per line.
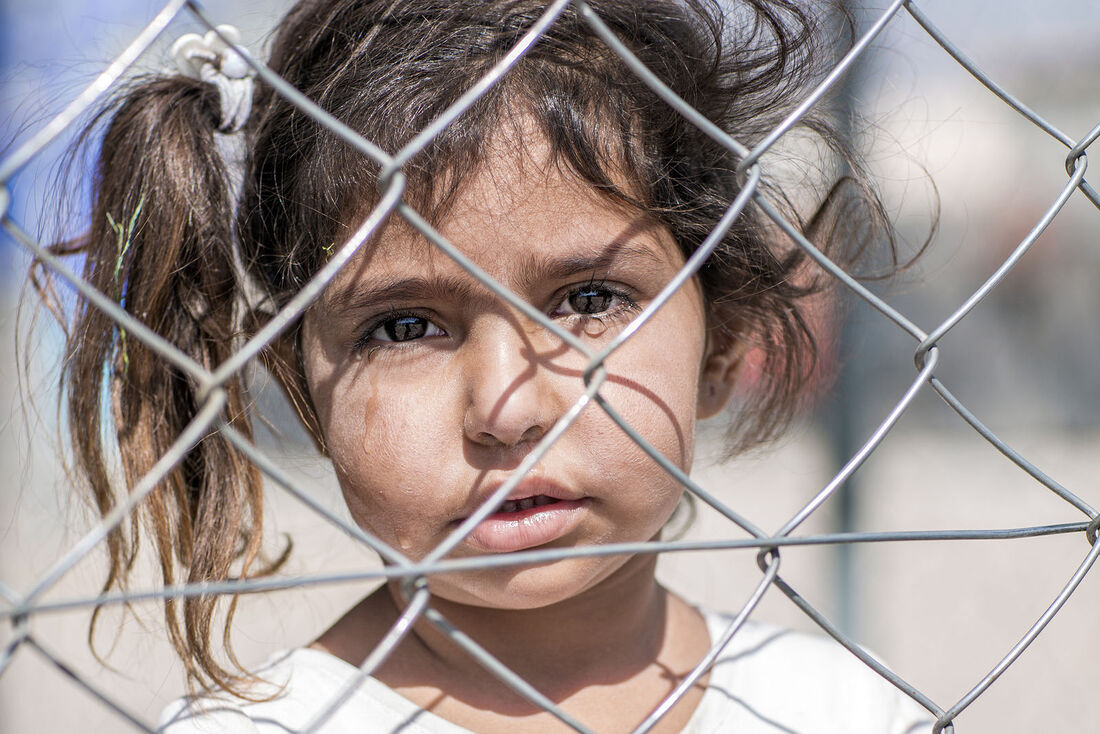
(525,504)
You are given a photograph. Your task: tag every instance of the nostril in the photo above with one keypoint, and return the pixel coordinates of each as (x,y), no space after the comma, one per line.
(501,437)
(533,434)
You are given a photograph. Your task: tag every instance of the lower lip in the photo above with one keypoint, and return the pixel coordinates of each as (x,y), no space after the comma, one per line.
(504,532)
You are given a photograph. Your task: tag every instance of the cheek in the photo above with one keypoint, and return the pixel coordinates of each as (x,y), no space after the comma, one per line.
(653,384)
(383,438)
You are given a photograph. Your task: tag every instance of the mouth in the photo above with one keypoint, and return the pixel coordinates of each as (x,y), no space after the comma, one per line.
(529,521)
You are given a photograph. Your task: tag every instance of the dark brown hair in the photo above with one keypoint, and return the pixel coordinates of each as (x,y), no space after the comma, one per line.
(387,68)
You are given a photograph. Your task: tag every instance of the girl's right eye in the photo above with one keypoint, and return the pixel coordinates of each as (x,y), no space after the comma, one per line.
(399,327)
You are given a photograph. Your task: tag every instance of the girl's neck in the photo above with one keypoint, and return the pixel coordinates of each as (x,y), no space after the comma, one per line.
(597,637)
(602,635)
(626,640)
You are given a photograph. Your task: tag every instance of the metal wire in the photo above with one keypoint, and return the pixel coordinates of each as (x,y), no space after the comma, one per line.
(19,608)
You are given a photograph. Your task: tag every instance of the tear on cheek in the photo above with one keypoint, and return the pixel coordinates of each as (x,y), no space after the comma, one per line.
(594,328)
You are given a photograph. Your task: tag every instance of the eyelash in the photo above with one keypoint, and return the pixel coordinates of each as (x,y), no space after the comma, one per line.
(626,305)
(367,338)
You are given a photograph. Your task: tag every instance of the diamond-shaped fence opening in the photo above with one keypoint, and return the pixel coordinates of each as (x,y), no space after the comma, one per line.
(775,546)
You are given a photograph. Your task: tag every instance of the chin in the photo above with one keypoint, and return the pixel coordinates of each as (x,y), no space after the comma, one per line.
(525,588)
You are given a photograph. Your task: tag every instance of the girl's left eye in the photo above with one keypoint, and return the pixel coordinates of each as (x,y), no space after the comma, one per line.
(593,300)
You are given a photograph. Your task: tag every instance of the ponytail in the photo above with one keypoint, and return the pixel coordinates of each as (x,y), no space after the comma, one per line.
(161,243)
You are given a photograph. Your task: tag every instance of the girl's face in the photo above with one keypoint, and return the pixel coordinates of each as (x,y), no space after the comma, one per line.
(430,390)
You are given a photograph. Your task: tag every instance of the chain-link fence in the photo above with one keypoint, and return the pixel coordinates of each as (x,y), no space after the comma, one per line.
(23,607)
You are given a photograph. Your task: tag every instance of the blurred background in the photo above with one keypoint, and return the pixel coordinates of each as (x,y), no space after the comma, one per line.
(1025,362)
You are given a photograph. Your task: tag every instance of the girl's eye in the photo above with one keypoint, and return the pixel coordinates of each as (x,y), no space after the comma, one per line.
(590,300)
(593,300)
(403,328)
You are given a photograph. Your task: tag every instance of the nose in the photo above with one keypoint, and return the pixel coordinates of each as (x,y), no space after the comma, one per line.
(510,400)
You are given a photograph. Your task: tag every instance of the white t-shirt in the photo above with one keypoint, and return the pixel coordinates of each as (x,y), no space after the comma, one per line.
(768,680)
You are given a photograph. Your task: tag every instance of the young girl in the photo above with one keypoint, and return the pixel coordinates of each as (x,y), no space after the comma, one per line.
(460,423)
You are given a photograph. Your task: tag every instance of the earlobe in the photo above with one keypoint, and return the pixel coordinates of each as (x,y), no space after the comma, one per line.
(717,377)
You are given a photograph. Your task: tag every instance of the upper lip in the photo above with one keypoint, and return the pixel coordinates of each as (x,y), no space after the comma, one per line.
(529,486)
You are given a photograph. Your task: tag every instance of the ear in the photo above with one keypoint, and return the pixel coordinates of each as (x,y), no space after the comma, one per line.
(721,366)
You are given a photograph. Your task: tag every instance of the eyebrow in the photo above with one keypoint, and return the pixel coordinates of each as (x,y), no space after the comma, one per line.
(557,268)
(416,288)
(467,288)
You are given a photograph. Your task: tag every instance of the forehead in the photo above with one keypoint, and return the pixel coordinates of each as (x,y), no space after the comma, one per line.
(519,214)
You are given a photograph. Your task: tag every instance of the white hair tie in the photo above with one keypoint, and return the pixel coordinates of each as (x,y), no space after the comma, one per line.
(210,59)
